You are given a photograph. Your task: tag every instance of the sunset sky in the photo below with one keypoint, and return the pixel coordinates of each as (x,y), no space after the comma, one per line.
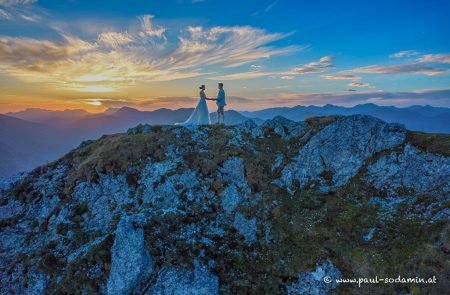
(148,54)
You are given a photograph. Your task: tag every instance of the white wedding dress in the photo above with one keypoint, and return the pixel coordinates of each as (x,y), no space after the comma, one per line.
(200,115)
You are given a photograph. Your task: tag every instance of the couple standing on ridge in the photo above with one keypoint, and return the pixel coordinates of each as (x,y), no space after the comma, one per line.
(200,115)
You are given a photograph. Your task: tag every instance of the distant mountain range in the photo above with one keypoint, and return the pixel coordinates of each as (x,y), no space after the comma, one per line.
(418,118)
(34,136)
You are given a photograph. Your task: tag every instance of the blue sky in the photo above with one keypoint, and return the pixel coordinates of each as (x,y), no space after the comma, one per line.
(151,54)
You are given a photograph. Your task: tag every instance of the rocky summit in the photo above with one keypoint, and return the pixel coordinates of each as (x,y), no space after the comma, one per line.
(279,208)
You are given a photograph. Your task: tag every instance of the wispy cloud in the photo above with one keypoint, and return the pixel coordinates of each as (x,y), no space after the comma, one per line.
(149,29)
(341,77)
(435,58)
(90,65)
(276,87)
(21,9)
(271,5)
(404,53)
(256,67)
(313,67)
(241,76)
(230,46)
(16,2)
(287,77)
(398,69)
(358,84)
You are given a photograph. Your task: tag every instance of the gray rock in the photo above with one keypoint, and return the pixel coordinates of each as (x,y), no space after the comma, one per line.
(37,282)
(246,227)
(48,183)
(11,210)
(140,129)
(410,169)
(177,281)
(233,174)
(317,282)
(130,261)
(251,128)
(103,200)
(8,183)
(287,129)
(278,160)
(337,152)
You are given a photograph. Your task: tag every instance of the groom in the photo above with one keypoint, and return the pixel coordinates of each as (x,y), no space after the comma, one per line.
(220,101)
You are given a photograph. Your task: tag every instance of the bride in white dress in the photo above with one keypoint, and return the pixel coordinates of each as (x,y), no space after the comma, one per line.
(200,115)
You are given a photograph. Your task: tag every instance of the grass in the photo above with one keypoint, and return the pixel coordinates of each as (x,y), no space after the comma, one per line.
(431,142)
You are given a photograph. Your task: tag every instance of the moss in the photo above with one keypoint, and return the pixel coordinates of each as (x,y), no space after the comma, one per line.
(430,142)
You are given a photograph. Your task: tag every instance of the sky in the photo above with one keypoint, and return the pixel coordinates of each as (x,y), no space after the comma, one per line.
(149,54)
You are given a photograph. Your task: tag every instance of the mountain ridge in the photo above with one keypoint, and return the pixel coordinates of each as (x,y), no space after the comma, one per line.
(66,129)
(269,208)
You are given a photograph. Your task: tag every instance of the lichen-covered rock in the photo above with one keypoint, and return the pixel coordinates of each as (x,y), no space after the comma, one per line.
(339,150)
(185,282)
(410,169)
(237,189)
(99,201)
(246,227)
(140,129)
(285,128)
(8,183)
(251,128)
(317,282)
(130,260)
(38,282)
(11,209)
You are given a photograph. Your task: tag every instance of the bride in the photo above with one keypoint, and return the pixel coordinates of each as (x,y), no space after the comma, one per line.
(200,115)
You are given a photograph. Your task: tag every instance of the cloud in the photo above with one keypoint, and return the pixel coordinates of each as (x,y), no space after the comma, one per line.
(91,65)
(435,58)
(358,84)
(21,9)
(419,68)
(287,77)
(276,87)
(313,67)
(241,76)
(266,9)
(16,2)
(256,67)
(150,30)
(4,14)
(341,77)
(404,53)
(107,102)
(115,39)
(271,5)
(229,46)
